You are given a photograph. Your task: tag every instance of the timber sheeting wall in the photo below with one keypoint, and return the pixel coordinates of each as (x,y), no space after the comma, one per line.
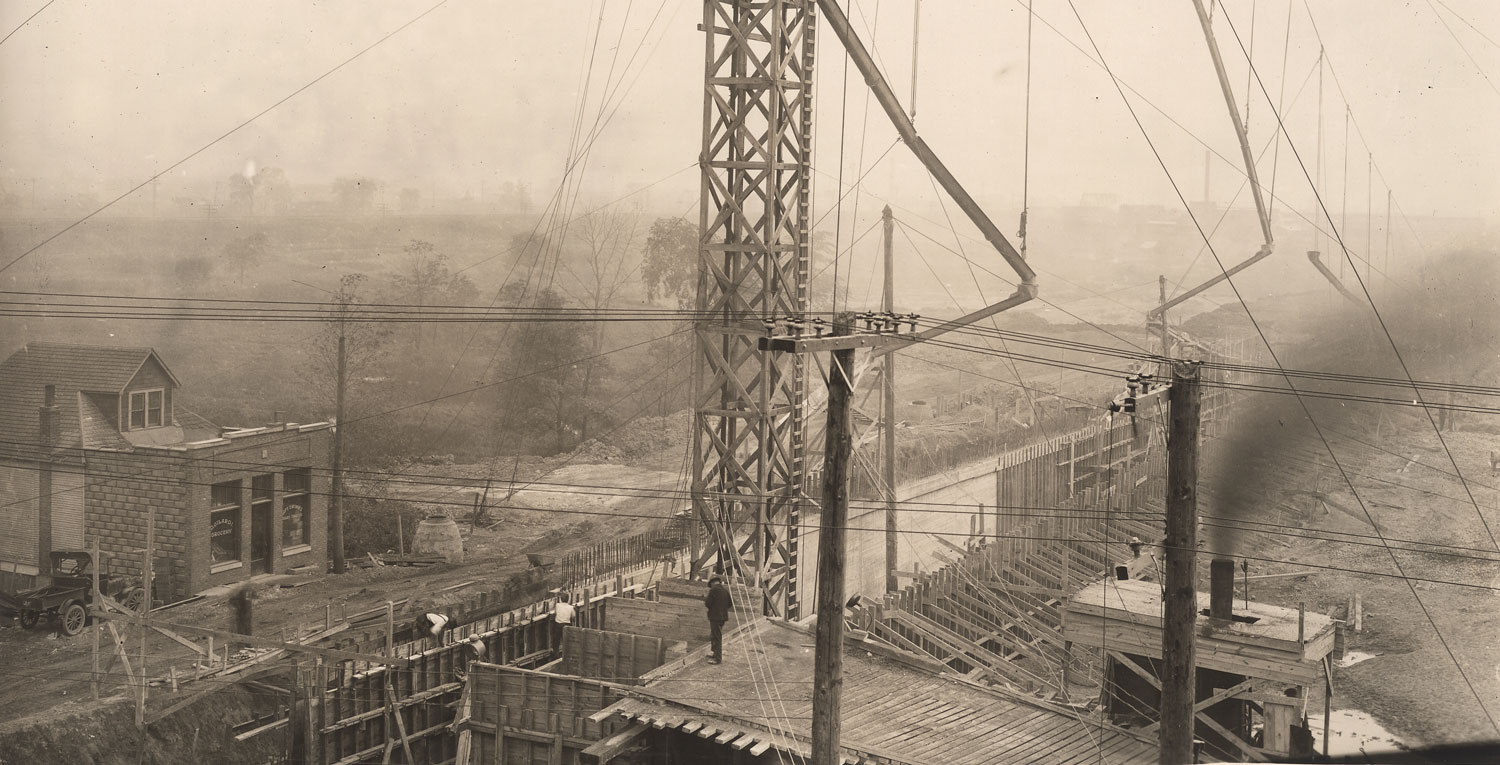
(357,709)
(667,620)
(617,657)
(520,717)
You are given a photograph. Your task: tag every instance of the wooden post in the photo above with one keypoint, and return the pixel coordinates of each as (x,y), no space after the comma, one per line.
(888,433)
(390,628)
(1166,336)
(1327,701)
(94,602)
(140,704)
(336,500)
(1180,598)
(313,692)
(828,661)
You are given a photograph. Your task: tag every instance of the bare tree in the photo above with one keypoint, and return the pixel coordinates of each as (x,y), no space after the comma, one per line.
(366,350)
(608,237)
(426,280)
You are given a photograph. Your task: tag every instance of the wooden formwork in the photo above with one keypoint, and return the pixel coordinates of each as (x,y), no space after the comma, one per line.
(363,712)
(993,612)
(520,717)
(617,657)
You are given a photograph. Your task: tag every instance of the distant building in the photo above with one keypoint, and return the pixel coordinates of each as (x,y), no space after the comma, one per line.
(91,437)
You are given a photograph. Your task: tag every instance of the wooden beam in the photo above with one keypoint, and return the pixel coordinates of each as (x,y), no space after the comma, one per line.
(261,642)
(1221,695)
(268,727)
(604,750)
(200,650)
(390,703)
(273,655)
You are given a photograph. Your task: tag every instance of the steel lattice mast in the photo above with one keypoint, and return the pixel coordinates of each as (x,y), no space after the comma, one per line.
(749,454)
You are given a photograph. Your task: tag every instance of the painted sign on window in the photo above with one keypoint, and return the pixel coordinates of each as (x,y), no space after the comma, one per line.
(224,535)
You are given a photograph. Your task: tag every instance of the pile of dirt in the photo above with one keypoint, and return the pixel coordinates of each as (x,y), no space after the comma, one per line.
(646,436)
(592,452)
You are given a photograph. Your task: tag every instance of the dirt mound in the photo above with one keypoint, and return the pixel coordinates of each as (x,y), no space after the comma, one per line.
(645,436)
(592,452)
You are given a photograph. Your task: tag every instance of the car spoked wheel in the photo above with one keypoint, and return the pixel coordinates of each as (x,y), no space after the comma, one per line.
(74,618)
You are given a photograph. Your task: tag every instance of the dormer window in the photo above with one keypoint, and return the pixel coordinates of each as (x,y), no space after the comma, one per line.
(147,408)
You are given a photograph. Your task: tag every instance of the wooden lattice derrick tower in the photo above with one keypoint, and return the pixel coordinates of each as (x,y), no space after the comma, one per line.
(749,452)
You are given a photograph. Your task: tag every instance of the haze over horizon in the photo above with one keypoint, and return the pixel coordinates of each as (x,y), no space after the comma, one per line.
(100,96)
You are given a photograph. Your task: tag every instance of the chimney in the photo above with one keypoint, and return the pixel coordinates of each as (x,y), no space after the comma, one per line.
(1221,588)
(47,418)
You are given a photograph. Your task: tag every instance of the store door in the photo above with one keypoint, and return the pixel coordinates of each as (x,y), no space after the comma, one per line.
(260,537)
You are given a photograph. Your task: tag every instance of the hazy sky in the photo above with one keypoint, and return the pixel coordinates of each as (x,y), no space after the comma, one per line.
(102,94)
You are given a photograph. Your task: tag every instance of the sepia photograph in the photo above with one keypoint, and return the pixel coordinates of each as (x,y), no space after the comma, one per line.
(749,382)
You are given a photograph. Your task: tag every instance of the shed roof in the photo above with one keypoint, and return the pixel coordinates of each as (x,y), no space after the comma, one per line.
(895,709)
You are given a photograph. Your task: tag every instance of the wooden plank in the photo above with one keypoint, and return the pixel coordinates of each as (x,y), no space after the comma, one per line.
(260,642)
(957,645)
(1218,696)
(390,700)
(604,750)
(200,650)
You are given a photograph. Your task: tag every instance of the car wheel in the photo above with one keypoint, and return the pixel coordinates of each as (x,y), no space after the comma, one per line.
(133,598)
(29,619)
(74,618)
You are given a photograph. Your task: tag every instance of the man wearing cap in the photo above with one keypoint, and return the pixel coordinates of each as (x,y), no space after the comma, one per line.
(718,603)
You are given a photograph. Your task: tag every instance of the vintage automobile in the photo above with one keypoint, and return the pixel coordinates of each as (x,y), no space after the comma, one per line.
(67,598)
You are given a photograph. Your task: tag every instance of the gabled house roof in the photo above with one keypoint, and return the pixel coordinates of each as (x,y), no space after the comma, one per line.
(85,378)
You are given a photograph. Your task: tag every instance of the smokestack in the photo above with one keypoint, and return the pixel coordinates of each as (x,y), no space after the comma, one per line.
(1221,588)
(47,418)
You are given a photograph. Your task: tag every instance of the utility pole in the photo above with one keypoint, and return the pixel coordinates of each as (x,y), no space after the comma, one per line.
(888,382)
(336,502)
(1180,596)
(828,661)
(1166,336)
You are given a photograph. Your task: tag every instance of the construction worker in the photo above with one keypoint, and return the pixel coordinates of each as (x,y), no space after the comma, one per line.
(435,625)
(471,650)
(562,616)
(718,603)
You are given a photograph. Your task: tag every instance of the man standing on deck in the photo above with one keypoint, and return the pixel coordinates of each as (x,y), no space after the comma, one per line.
(718,603)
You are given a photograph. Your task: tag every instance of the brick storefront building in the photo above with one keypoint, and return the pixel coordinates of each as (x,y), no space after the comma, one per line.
(93,437)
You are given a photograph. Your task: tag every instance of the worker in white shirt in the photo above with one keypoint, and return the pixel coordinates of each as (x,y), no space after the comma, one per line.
(435,625)
(562,616)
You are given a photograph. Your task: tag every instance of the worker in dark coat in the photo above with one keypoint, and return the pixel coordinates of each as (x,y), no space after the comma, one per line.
(718,603)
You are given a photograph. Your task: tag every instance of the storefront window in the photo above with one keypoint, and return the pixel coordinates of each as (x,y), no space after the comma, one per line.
(296,487)
(224,523)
